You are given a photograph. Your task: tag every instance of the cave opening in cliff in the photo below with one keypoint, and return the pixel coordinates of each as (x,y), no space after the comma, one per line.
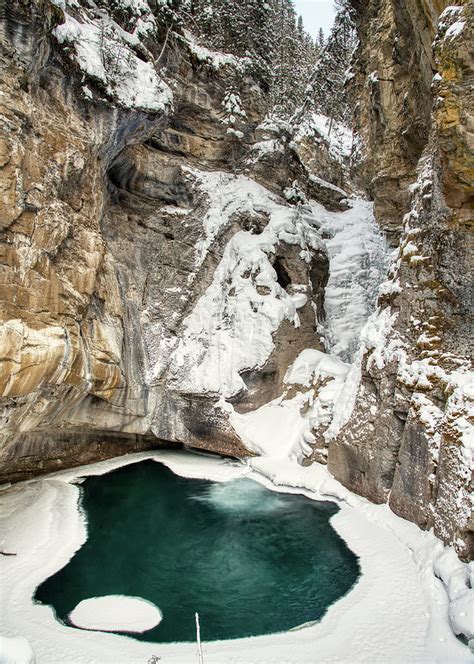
(283,278)
(251,561)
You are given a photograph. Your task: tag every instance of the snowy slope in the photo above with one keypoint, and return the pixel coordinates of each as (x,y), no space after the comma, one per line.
(104,51)
(358,264)
(230,328)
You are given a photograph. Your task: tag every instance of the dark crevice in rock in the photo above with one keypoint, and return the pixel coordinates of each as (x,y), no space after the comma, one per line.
(283,278)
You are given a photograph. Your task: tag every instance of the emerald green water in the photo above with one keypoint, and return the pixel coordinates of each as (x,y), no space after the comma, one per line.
(249,560)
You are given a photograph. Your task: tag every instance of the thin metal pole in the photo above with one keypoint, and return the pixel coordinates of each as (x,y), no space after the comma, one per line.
(198,635)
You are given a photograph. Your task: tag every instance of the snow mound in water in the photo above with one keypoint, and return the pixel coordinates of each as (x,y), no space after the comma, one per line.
(116,613)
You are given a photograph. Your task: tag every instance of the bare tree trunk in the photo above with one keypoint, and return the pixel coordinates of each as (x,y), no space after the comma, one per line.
(164,45)
(330,125)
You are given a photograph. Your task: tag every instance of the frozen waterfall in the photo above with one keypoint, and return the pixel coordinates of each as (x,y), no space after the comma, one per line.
(359,260)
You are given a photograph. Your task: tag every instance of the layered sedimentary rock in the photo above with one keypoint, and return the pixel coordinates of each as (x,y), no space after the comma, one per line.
(407,439)
(117,143)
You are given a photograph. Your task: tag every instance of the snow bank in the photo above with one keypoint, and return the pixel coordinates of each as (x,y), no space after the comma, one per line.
(457,579)
(274,429)
(338,137)
(16,650)
(116,613)
(102,50)
(266,147)
(284,427)
(192,464)
(230,328)
(215,59)
(310,365)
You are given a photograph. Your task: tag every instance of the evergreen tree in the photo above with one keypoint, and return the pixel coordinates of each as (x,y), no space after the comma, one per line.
(280,53)
(257,38)
(295,55)
(301,31)
(326,92)
(321,40)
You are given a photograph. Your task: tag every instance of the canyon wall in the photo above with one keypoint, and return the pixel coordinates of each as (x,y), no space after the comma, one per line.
(408,440)
(129,161)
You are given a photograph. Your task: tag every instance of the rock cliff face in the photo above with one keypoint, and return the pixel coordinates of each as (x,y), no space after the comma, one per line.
(407,438)
(166,253)
(120,194)
(392,93)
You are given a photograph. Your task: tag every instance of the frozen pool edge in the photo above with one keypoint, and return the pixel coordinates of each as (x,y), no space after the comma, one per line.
(373,622)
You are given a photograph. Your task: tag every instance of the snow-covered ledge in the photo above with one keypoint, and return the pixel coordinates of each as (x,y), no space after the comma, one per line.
(396,612)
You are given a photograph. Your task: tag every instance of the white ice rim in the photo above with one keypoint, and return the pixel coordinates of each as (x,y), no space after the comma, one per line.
(397,611)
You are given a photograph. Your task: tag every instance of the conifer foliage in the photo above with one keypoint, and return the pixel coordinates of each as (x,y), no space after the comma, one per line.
(294,55)
(326,93)
(268,32)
